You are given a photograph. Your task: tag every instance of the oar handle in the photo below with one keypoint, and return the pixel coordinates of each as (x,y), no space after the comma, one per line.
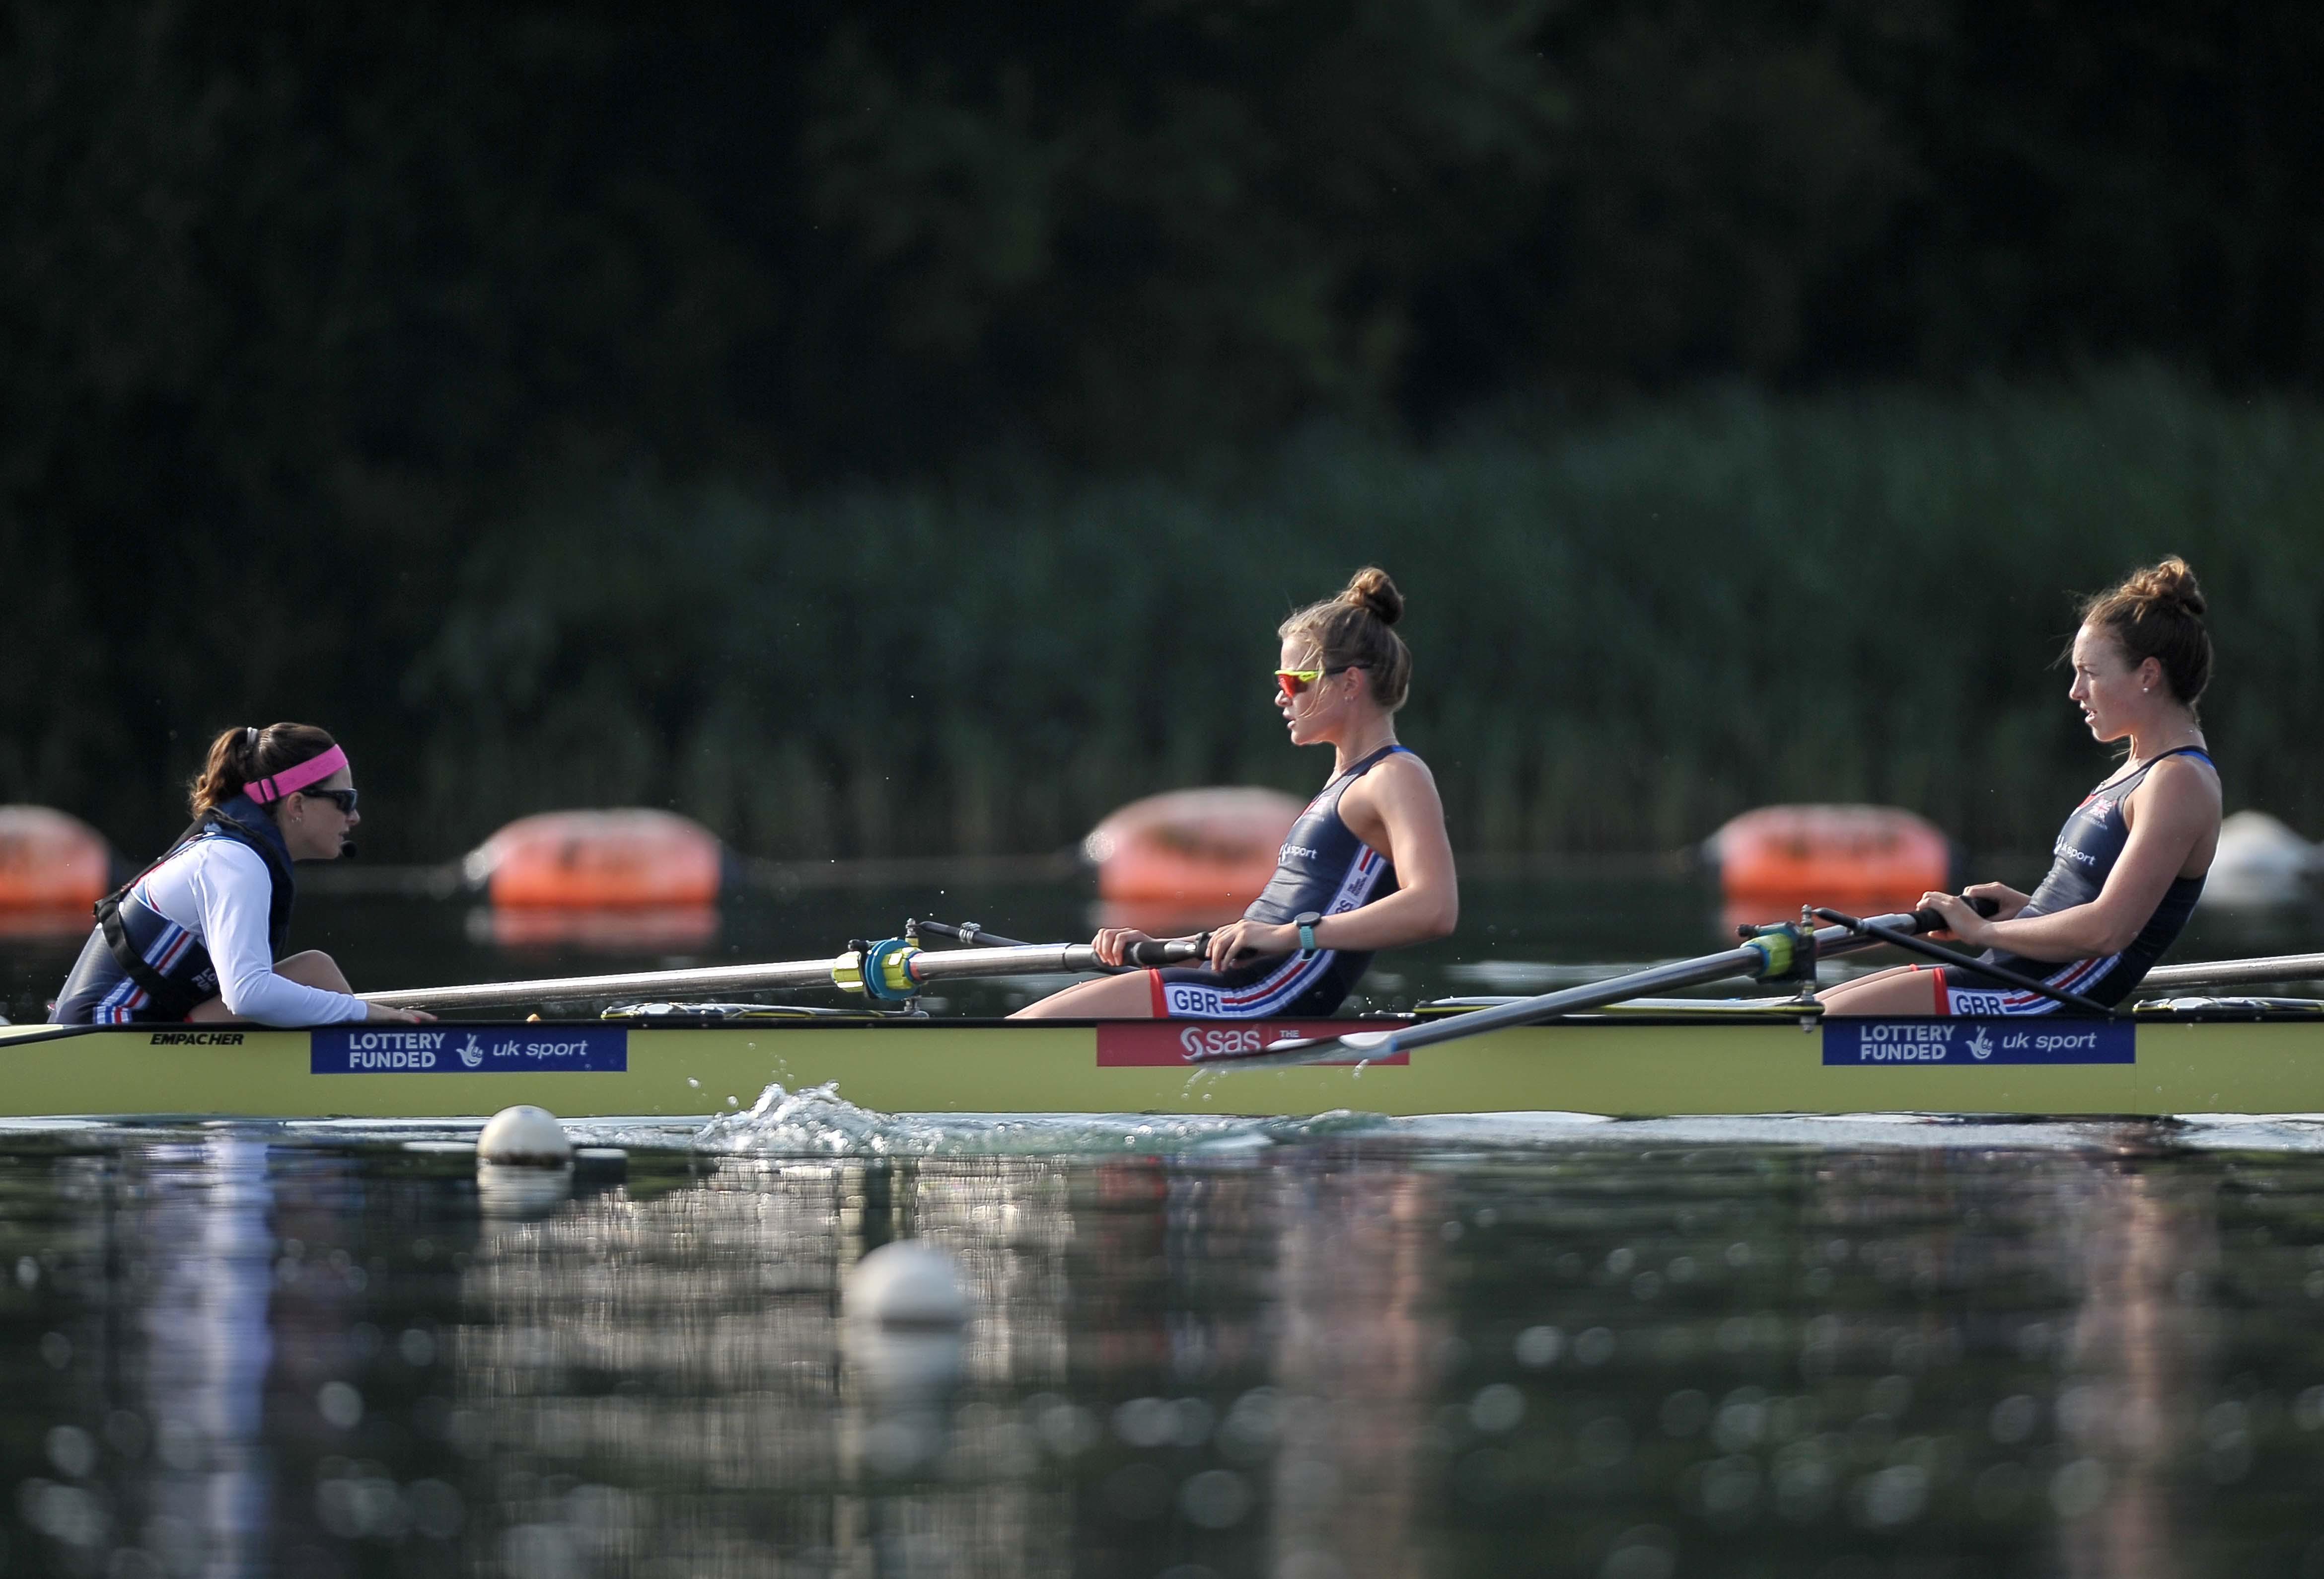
(1153,951)
(1935,921)
(1156,951)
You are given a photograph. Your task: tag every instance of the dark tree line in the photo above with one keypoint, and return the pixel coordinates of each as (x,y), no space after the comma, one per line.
(300,303)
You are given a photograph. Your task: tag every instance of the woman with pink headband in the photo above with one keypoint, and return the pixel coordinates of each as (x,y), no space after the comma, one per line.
(198,934)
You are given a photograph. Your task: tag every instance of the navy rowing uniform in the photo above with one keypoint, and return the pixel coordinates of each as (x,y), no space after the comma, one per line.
(2087,847)
(1322,867)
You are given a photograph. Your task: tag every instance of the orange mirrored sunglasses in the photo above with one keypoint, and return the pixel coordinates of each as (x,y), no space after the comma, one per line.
(1295,680)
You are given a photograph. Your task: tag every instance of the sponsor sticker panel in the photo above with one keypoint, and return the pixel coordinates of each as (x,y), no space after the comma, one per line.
(2021,1040)
(458,1049)
(1162,1044)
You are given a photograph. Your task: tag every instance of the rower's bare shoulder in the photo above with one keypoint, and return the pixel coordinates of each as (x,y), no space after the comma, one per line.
(1403,774)
(1408,766)
(2185,775)
(2180,790)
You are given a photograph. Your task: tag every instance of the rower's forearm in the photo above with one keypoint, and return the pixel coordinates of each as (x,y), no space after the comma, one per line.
(1411,916)
(2082,932)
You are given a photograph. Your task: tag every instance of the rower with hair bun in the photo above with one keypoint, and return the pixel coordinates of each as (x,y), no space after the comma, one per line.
(2131,860)
(1366,867)
(198,934)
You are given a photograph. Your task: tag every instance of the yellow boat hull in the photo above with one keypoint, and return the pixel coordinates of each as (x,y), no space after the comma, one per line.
(1652,1065)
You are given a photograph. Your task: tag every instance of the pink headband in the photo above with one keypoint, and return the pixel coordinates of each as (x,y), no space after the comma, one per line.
(290,780)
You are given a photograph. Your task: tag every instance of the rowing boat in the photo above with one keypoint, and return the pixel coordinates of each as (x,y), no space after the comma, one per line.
(1716,1057)
(1603,1048)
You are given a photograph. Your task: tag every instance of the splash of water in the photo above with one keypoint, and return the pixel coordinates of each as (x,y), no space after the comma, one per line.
(817,1122)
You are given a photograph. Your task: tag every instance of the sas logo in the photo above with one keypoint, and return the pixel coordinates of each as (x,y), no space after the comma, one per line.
(1163,1044)
(1200,1039)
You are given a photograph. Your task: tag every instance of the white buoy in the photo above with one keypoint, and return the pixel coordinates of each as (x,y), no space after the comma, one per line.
(521,1190)
(904,1329)
(905,1312)
(906,1284)
(524,1136)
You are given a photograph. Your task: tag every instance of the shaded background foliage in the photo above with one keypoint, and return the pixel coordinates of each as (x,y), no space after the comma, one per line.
(810,413)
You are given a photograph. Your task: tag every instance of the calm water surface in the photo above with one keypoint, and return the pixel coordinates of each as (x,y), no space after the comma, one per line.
(1348,1348)
(1198,1349)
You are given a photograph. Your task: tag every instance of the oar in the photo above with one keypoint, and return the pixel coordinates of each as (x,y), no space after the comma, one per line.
(976,937)
(2225,972)
(899,968)
(1768,954)
(1946,956)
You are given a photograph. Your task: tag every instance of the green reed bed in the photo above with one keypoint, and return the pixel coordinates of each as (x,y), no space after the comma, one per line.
(1627,628)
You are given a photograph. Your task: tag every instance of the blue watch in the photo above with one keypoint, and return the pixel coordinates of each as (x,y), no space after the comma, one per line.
(1305,921)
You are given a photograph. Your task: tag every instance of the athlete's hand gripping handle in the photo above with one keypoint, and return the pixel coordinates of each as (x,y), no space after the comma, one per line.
(1154,951)
(1929,920)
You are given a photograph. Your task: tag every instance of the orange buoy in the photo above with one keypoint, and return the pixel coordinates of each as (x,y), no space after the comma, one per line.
(1191,851)
(50,861)
(622,858)
(1785,857)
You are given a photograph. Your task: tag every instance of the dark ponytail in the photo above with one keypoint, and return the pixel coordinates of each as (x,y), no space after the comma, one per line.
(244,755)
(2158,612)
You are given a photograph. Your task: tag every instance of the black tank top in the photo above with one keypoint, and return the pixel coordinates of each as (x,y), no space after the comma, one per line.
(2087,847)
(1322,866)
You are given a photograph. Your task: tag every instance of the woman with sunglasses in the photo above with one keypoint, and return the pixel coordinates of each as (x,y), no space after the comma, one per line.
(1366,867)
(198,934)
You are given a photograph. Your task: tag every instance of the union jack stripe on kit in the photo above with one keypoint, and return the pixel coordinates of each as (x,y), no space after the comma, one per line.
(120,1006)
(2078,976)
(1295,974)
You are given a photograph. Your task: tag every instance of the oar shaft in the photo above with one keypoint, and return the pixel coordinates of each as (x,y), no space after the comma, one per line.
(711,979)
(949,965)
(1682,973)
(2223,972)
(1530,1010)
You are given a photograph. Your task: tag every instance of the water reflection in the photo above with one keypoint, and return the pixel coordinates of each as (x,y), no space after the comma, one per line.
(1624,1358)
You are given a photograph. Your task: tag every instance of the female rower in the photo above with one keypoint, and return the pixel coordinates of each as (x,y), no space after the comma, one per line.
(199,934)
(1366,867)
(2130,860)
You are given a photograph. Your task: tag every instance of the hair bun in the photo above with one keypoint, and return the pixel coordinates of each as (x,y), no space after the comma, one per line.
(2171,584)
(1370,589)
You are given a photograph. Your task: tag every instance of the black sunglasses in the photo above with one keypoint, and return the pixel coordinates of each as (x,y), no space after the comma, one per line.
(345,800)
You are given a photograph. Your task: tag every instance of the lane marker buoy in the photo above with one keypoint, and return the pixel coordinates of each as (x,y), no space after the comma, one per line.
(905,1285)
(524,1136)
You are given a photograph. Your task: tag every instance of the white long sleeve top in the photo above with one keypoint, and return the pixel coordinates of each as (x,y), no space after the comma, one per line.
(219,890)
